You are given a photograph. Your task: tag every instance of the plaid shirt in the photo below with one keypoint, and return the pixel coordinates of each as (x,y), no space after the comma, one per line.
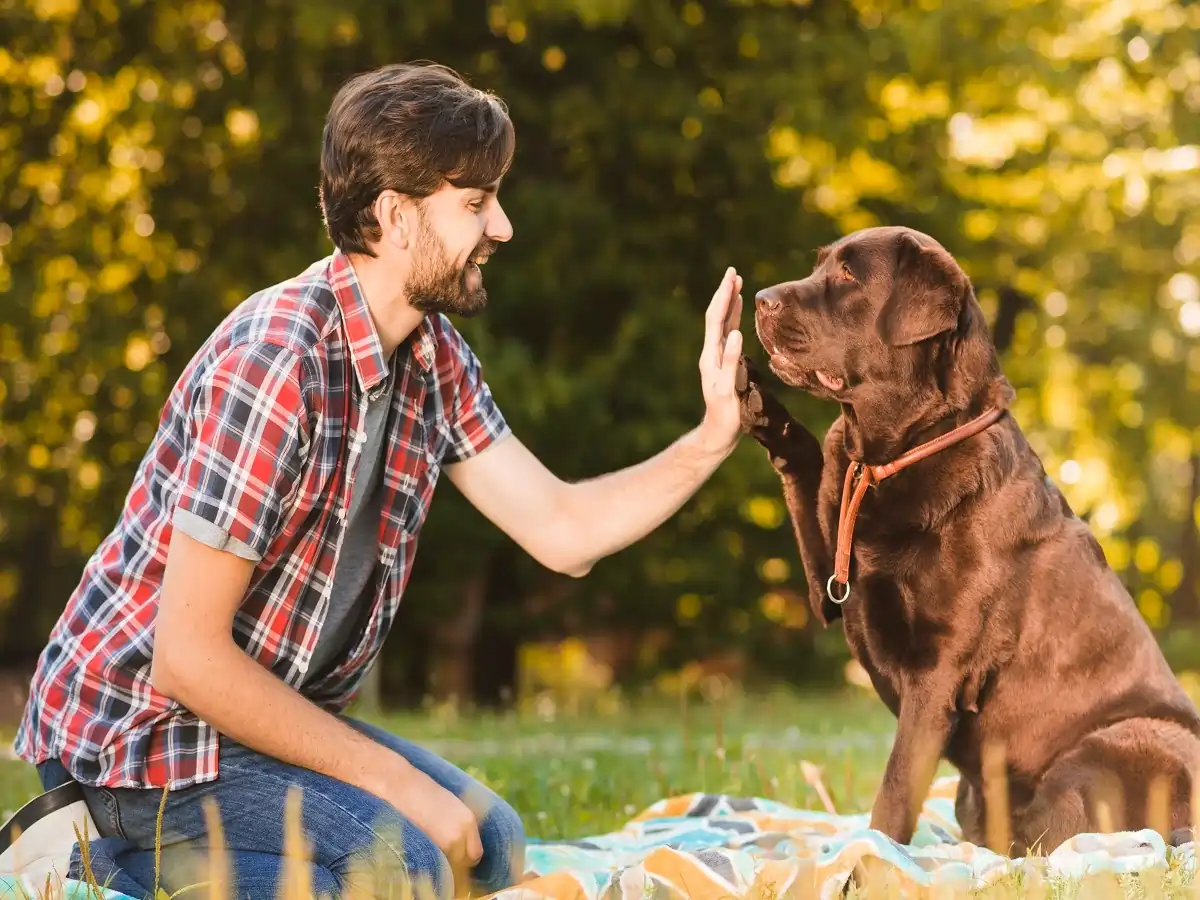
(260,436)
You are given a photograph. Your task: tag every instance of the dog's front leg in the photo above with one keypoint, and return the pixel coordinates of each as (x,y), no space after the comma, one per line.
(796,455)
(926,720)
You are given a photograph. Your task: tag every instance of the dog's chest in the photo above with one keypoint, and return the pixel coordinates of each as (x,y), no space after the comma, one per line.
(887,630)
(895,618)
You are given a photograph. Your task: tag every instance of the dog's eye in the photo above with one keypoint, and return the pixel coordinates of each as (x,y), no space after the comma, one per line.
(844,271)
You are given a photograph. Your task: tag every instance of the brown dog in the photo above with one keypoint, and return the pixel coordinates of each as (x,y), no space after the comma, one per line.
(982,608)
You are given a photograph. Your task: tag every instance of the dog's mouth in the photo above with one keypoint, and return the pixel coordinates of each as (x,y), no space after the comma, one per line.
(801,377)
(833,382)
(789,370)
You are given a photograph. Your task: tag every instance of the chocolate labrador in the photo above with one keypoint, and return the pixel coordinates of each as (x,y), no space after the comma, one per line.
(980,605)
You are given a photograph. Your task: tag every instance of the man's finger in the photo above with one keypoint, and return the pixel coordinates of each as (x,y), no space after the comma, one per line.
(719,305)
(714,318)
(474,846)
(721,294)
(734,317)
(732,354)
(734,313)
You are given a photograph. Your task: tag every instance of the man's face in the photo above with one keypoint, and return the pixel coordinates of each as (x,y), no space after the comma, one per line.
(458,228)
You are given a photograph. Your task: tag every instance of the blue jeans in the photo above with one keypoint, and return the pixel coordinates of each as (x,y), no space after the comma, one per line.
(344,827)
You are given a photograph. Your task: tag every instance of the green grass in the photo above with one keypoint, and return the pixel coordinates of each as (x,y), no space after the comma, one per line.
(576,775)
(18,781)
(571,776)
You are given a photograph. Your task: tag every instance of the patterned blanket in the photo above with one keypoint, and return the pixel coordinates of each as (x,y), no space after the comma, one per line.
(715,847)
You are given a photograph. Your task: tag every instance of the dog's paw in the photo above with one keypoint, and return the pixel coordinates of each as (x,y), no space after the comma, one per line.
(755,403)
(788,443)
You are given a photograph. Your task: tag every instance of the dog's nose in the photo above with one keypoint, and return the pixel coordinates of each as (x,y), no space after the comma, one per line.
(768,299)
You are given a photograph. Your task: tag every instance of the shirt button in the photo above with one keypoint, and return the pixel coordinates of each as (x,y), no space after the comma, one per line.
(341,515)
(302,667)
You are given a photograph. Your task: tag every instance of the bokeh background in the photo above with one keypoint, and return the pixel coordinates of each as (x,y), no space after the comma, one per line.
(158,163)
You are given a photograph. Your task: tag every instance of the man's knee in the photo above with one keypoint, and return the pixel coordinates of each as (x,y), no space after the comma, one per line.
(428,869)
(399,861)
(502,834)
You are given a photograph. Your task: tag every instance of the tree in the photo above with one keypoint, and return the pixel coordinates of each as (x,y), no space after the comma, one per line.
(159,163)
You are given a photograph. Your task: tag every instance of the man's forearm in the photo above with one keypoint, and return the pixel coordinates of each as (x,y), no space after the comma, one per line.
(223,686)
(608,513)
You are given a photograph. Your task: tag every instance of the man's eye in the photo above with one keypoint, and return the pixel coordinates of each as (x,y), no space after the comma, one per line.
(475,205)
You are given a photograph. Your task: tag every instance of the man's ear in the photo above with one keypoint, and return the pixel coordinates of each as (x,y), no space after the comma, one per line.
(928,291)
(395,215)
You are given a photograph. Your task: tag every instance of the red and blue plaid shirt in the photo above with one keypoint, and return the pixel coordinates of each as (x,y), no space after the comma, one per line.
(260,436)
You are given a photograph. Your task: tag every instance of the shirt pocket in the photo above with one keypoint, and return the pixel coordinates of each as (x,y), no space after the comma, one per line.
(411,476)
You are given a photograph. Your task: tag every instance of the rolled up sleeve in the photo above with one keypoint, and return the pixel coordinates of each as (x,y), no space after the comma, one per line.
(246,452)
(476,420)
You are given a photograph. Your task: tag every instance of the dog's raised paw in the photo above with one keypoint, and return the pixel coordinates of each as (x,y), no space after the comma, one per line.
(747,376)
(750,397)
(788,443)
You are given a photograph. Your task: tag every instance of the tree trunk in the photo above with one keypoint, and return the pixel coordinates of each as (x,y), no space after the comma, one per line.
(454,641)
(1185,602)
(1012,304)
(407,667)
(368,700)
(494,670)
(26,622)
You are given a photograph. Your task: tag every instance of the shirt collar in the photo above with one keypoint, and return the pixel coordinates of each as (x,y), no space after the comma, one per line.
(366,350)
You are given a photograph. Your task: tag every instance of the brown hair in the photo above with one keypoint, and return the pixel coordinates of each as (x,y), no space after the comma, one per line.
(407,127)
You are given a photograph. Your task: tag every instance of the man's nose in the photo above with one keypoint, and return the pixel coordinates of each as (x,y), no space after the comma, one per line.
(499,228)
(769,299)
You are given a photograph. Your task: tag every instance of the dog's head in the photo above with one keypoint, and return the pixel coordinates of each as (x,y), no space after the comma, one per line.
(887,325)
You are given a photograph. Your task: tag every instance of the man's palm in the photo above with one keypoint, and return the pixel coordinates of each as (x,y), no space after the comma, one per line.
(719,360)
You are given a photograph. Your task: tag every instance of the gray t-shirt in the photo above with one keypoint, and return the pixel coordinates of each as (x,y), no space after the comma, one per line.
(353,587)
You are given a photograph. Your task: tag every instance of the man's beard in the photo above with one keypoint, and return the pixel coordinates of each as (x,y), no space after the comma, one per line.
(436,284)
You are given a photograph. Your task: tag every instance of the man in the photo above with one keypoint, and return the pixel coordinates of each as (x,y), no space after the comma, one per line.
(220,630)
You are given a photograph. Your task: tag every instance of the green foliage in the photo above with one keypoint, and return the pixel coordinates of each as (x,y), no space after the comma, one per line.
(158,163)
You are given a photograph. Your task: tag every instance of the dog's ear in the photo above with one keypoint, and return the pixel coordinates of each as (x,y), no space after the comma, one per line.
(928,290)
